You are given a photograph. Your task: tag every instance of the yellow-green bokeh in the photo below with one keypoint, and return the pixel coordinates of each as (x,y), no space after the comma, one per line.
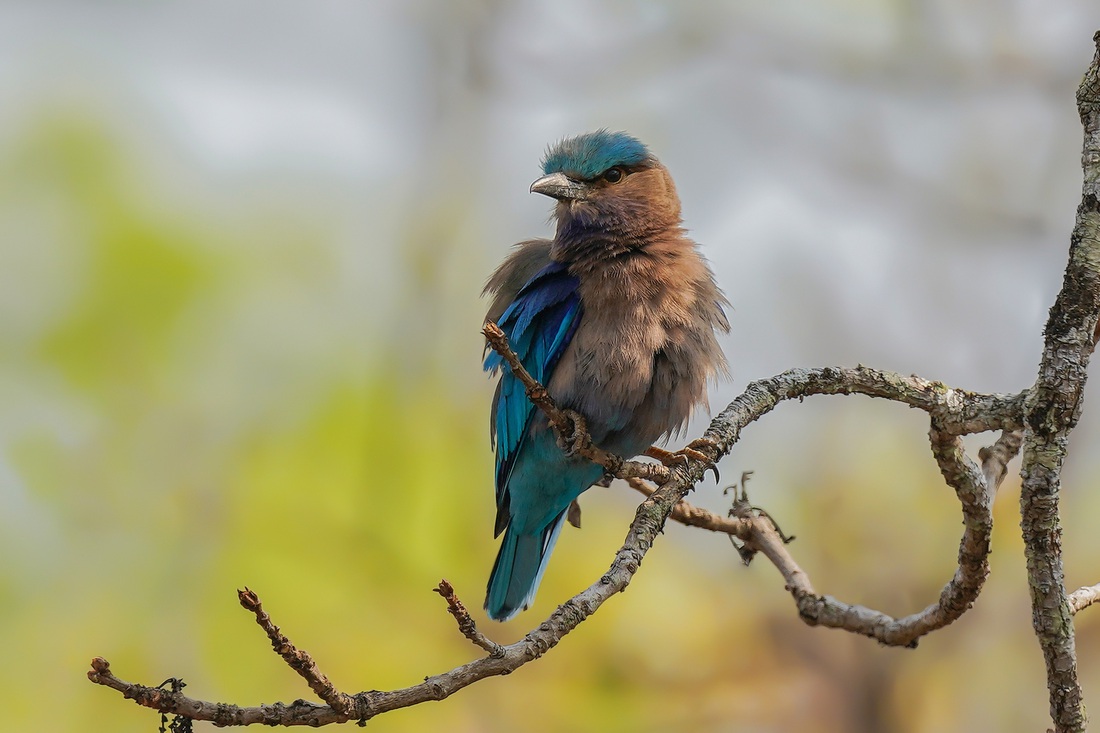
(196,400)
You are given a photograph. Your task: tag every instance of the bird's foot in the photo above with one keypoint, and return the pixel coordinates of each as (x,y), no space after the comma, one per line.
(692,451)
(579,439)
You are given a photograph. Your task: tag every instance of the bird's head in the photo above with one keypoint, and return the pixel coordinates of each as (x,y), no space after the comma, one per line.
(608,186)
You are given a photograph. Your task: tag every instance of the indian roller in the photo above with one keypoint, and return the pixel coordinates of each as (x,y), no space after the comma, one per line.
(617,316)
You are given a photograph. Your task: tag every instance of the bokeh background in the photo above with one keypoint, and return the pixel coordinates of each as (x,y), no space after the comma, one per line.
(242,250)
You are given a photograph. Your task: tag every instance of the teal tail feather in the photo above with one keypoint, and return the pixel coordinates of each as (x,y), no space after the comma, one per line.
(518,570)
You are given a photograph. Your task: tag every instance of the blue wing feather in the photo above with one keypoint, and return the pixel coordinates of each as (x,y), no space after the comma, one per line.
(539,325)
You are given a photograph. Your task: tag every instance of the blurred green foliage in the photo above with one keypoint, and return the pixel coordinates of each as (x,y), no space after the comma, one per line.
(190,413)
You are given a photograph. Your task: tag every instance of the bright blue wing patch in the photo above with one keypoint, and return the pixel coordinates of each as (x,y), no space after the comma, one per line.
(587,156)
(539,324)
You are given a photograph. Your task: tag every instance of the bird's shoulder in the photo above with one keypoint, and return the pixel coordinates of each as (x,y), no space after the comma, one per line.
(525,261)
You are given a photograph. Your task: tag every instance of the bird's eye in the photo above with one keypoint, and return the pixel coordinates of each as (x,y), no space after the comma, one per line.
(613,175)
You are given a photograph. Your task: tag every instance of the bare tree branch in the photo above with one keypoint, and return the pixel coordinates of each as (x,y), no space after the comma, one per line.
(959,409)
(648,521)
(694,516)
(466,624)
(958,595)
(298,660)
(955,411)
(1052,410)
(1039,419)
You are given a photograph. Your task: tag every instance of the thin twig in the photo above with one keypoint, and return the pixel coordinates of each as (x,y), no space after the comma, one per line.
(695,516)
(297,659)
(465,623)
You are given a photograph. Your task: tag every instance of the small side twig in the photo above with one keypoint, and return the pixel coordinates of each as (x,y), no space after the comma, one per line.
(298,660)
(1082,598)
(691,515)
(465,623)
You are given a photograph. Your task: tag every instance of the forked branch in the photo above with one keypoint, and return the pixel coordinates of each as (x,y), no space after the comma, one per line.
(959,409)
(1040,419)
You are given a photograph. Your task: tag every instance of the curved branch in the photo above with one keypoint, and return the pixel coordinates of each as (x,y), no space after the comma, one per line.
(955,411)
(957,596)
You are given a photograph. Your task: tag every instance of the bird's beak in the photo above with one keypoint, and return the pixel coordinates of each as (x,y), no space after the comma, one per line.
(559,186)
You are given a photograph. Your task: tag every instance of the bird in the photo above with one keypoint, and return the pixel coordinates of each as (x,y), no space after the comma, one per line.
(618,316)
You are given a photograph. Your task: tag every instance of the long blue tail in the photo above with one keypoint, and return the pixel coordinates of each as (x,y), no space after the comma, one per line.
(518,569)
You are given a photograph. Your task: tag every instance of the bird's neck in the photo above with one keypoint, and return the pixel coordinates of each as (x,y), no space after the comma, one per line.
(616,264)
(584,240)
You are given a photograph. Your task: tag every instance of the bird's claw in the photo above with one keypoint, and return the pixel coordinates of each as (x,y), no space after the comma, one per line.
(681,458)
(573,443)
(693,449)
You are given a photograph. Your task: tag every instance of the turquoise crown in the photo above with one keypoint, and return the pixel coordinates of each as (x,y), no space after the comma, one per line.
(587,156)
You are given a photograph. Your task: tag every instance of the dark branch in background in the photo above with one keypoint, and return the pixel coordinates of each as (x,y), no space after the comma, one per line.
(1039,419)
(995,457)
(1053,408)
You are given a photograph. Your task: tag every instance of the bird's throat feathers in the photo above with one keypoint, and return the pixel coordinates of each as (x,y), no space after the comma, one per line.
(616,220)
